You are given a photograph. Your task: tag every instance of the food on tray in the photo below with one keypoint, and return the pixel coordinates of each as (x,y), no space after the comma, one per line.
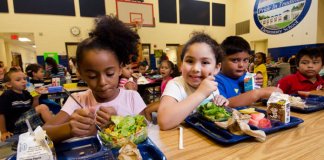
(142,80)
(297,102)
(123,130)
(259,120)
(248,111)
(129,151)
(213,112)
(238,125)
(278,107)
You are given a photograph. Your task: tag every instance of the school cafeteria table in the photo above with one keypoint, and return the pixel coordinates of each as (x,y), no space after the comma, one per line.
(317,92)
(305,141)
(148,96)
(72,90)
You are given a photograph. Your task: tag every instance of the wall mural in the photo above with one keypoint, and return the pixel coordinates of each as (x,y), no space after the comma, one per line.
(279,16)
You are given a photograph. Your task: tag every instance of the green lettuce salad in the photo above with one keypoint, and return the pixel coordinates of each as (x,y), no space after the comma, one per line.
(213,112)
(124,129)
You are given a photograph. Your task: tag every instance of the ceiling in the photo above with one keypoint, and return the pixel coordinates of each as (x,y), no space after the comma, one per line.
(29,45)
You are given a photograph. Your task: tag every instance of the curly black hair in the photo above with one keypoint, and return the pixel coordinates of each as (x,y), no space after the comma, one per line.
(32,68)
(235,44)
(110,34)
(200,37)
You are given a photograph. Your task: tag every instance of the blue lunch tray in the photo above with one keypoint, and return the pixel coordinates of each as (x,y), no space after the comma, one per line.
(91,148)
(148,150)
(314,103)
(225,137)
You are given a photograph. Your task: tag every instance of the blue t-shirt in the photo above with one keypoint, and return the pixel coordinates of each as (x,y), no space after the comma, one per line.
(229,87)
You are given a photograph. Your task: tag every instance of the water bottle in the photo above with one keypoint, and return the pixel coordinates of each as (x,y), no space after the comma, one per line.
(68,78)
(31,89)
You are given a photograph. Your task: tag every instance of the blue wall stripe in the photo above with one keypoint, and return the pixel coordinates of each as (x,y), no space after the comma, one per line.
(290,50)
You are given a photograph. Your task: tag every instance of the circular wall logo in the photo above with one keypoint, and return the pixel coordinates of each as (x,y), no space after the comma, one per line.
(279,16)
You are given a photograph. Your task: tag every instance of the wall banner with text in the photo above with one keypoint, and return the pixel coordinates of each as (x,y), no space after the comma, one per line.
(279,16)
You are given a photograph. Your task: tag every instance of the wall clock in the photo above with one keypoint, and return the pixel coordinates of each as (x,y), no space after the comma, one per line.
(75,31)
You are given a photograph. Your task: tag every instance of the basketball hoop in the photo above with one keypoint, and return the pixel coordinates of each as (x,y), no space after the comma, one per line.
(137,23)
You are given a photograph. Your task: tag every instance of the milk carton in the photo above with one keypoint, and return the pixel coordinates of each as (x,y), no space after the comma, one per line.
(249,82)
(35,145)
(278,107)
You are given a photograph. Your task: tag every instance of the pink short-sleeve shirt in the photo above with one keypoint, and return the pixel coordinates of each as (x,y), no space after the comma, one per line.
(128,102)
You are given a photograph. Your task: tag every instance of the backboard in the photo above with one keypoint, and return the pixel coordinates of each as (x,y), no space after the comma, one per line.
(132,13)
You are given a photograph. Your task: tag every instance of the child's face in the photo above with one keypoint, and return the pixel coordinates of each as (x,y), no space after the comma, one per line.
(127,71)
(235,65)
(165,70)
(198,63)
(39,74)
(258,59)
(17,81)
(142,69)
(310,67)
(101,70)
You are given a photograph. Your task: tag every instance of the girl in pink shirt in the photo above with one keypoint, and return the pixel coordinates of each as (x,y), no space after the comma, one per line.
(167,70)
(99,60)
(126,80)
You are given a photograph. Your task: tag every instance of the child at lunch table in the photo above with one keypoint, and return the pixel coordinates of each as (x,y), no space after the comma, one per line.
(17,104)
(234,67)
(99,59)
(260,67)
(142,68)
(167,70)
(201,57)
(126,80)
(36,74)
(309,63)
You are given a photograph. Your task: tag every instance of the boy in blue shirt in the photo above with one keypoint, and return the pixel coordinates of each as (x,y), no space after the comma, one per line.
(231,78)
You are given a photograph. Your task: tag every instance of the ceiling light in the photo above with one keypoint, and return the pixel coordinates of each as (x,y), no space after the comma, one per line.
(22,39)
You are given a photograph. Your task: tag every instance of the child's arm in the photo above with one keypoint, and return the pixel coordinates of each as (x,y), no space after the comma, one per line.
(153,107)
(171,112)
(4,133)
(63,126)
(36,101)
(247,98)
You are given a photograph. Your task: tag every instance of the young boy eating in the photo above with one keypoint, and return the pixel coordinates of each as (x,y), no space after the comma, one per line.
(17,104)
(231,78)
(309,64)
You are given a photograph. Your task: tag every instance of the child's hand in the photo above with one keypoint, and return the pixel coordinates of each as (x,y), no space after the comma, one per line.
(82,123)
(207,86)
(5,135)
(131,86)
(259,79)
(219,100)
(103,116)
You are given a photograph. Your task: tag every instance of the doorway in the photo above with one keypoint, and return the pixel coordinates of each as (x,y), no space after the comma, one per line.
(260,46)
(16,60)
(171,52)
